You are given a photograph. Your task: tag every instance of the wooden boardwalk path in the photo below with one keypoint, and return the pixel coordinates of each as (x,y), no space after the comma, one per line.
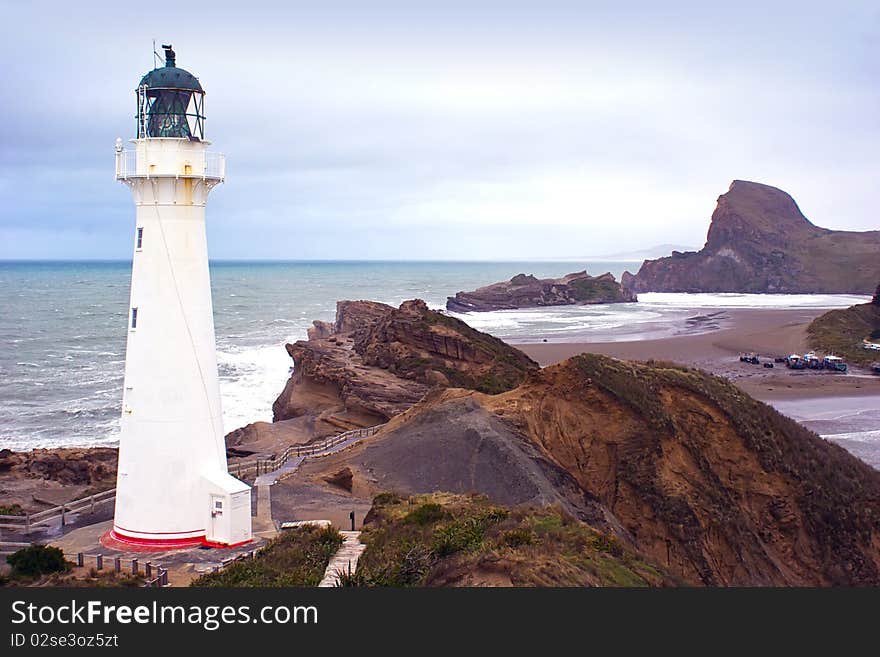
(287,468)
(345,560)
(263,523)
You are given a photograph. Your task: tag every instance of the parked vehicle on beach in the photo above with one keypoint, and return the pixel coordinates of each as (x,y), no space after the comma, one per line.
(795,362)
(875,368)
(835,363)
(812,361)
(749,358)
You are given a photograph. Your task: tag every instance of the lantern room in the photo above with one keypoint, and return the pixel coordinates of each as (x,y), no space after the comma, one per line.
(170,103)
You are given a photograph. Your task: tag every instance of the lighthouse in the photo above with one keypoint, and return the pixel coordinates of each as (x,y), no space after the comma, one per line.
(173,488)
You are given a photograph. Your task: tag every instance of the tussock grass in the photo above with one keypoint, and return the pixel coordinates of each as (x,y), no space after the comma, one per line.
(298,557)
(444,539)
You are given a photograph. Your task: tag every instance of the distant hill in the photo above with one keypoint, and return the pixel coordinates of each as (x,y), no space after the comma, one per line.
(760,242)
(657,251)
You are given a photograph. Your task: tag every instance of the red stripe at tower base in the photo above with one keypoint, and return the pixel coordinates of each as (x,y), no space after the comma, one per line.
(116,541)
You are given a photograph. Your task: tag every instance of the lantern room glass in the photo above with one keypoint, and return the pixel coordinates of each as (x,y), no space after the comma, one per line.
(170,112)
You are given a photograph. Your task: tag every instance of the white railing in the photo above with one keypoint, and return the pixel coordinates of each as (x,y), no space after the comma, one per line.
(214,167)
(126,164)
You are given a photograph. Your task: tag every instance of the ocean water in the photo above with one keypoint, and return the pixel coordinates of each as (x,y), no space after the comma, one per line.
(656,315)
(851,422)
(63,329)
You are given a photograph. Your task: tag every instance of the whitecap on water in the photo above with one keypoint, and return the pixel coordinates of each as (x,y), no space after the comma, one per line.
(736,300)
(857,436)
(250,380)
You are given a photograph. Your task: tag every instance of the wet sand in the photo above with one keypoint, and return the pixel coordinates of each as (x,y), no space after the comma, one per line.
(768,332)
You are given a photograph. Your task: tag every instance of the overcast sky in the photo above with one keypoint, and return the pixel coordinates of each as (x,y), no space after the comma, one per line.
(453,130)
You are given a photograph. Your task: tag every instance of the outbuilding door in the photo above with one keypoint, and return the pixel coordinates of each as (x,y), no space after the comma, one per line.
(217,510)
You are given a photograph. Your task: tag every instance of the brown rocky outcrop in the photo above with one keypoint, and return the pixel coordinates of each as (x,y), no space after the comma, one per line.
(716,487)
(378,360)
(760,242)
(70,466)
(527,291)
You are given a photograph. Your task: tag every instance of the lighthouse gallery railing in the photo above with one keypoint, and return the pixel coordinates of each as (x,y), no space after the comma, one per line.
(214,166)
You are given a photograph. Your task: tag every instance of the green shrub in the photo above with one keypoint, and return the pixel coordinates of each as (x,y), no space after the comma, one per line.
(37,560)
(11,510)
(466,533)
(426,514)
(518,537)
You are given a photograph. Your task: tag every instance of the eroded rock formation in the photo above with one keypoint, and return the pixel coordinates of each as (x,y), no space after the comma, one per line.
(376,361)
(527,291)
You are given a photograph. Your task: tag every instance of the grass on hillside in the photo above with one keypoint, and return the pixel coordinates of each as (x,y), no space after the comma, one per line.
(297,557)
(444,539)
(842,331)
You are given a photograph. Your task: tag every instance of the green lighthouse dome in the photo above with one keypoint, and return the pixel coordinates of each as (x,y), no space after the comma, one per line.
(171,77)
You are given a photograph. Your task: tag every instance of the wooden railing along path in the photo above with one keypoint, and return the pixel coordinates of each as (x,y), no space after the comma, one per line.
(263,465)
(30,520)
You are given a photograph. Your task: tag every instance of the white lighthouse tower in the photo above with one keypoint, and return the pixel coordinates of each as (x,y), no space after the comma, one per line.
(173,488)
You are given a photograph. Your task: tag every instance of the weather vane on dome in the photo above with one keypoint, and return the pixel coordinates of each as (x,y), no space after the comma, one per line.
(170,57)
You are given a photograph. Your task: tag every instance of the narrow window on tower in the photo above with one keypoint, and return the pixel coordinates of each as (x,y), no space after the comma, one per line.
(134,318)
(140,239)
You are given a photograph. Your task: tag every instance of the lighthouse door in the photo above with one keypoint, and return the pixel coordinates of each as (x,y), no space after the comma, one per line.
(218,503)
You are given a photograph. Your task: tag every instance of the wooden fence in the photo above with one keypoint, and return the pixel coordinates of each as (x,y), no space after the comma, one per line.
(259,466)
(30,520)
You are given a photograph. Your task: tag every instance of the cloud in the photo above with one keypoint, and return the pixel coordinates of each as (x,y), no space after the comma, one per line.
(422,130)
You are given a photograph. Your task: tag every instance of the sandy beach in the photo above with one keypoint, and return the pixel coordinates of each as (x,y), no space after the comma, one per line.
(713,341)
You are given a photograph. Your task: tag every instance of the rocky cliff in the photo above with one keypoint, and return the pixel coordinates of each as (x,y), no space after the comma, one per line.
(759,241)
(375,361)
(527,291)
(695,475)
(29,481)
